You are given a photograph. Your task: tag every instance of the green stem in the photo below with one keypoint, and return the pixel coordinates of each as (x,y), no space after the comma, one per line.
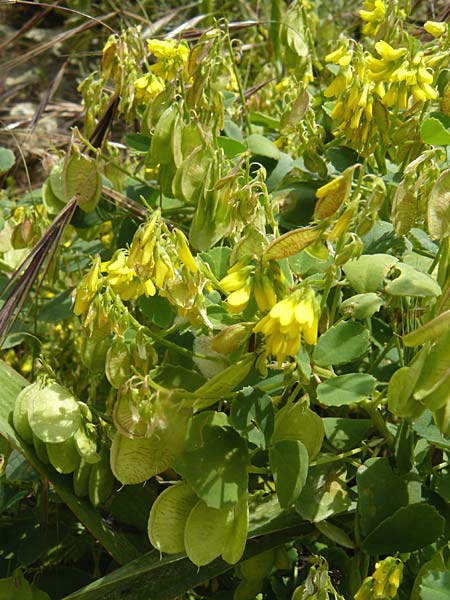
(335,457)
(372,409)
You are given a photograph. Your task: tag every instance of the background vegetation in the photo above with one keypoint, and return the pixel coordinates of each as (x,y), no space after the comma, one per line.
(225,318)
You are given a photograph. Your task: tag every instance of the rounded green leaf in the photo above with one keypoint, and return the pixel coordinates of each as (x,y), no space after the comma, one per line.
(289,464)
(346,389)
(367,273)
(361,306)
(410,528)
(341,344)
(298,422)
(168,517)
(55,415)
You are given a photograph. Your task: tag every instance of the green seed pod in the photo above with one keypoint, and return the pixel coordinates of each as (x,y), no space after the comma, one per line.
(205,533)
(54,414)
(86,443)
(81,479)
(64,456)
(168,517)
(118,363)
(21,410)
(101,480)
(41,450)
(93,353)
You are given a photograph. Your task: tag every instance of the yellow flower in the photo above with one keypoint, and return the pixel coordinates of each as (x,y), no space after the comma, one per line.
(435,28)
(172,56)
(287,320)
(148,87)
(373,15)
(87,288)
(123,279)
(238,282)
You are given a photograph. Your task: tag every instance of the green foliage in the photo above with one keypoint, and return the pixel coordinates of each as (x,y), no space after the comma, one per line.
(243,331)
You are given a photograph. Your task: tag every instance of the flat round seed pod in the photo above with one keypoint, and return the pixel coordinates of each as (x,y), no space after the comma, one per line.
(86,443)
(64,456)
(136,460)
(237,533)
(41,450)
(21,409)
(55,415)
(205,533)
(168,517)
(101,480)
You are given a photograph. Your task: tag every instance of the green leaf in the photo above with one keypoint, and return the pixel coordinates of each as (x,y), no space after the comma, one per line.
(433,132)
(253,416)
(346,389)
(345,434)
(137,141)
(438,211)
(373,479)
(341,344)
(230,146)
(435,585)
(7,159)
(299,422)
(218,259)
(425,427)
(361,306)
(411,282)
(223,383)
(217,471)
(289,464)
(323,495)
(367,273)
(335,533)
(116,543)
(428,332)
(410,528)
(260,145)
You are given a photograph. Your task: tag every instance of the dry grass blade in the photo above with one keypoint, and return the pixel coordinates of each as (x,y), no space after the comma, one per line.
(128,204)
(40,48)
(26,27)
(54,85)
(17,290)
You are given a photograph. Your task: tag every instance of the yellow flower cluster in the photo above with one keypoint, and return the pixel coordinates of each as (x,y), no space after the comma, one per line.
(147,87)
(244,280)
(385,581)
(373,13)
(171,58)
(287,320)
(403,73)
(367,85)
(158,261)
(356,97)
